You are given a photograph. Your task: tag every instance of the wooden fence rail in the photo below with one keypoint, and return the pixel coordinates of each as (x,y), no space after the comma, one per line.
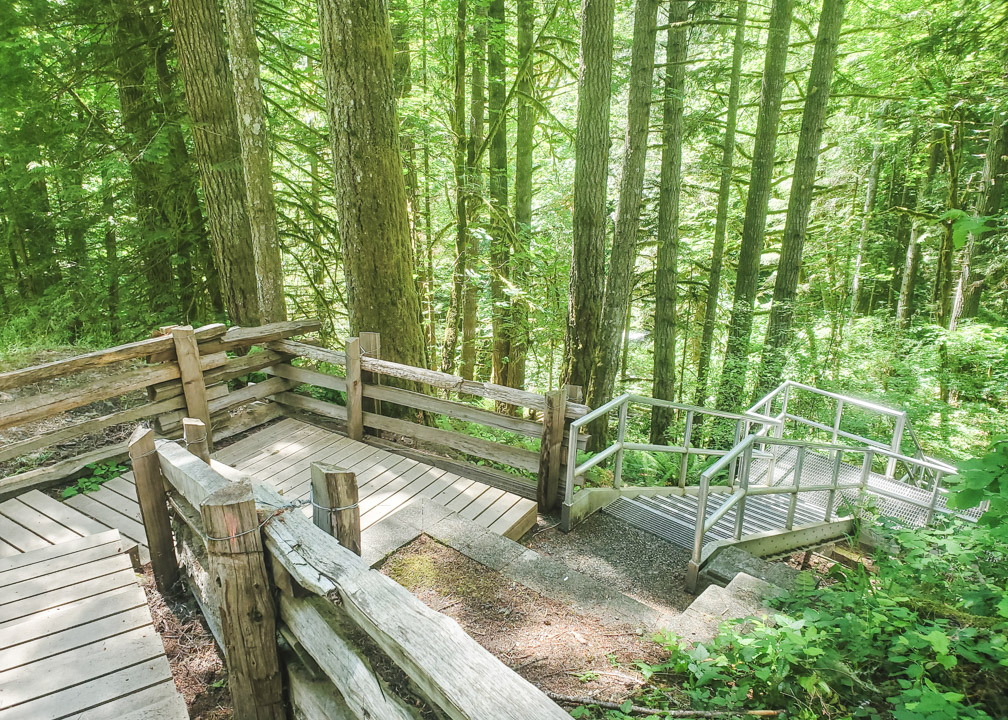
(174,390)
(327,600)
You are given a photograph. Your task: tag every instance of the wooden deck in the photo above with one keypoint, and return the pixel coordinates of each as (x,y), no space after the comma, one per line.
(77,639)
(280,456)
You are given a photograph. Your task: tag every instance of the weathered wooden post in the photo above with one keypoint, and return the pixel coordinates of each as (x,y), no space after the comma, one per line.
(354,390)
(193,386)
(370,345)
(551,449)
(194,433)
(334,504)
(248,625)
(154,509)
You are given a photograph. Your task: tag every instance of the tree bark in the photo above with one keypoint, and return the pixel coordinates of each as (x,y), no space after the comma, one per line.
(721,221)
(501,227)
(523,192)
(591,174)
(461,231)
(733,376)
(477,110)
(370,193)
(619,278)
(667,269)
(199,38)
(995,170)
(857,292)
(253,135)
(779,330)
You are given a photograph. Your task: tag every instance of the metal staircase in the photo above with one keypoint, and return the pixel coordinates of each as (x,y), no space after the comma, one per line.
(788,481)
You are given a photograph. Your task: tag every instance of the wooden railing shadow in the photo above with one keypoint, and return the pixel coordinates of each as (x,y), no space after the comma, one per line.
(261,570)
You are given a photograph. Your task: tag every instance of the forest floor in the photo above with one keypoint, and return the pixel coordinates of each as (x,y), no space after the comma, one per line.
(633,561)
(195,662)
(541,639)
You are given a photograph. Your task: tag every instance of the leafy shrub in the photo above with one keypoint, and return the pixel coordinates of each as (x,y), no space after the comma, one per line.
(100,473)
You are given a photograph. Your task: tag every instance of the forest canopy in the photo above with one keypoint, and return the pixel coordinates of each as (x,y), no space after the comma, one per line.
(690,200)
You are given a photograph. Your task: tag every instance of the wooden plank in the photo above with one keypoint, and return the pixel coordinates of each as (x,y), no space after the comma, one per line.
(486,449)
(261,442)
(349,455)
(189,475)
(169,421)
(477,506)
(50,566)
(153,504)
(297,462)
(314,405)
(250,393)
(322,633)
(121,486)
(354,385)
(458,410)
(315,440)
(390,499)
(62,513)
(17,536)
(391,482)
(129,527)
(88,426)
(158,702)
(315,699)
(7,550)
(493,513)
(10,612)
(385,471)
(516,521)
(50,552)
(70,639)
(41,525)
(69,615)
(301,436)
(457,487)
(467,496)
(90,696)
(308,376)
(99,358)
(193,386)
(237,337)
(104,565)
(306,350)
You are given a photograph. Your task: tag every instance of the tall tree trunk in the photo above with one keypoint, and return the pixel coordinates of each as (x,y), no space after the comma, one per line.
(619,278)
(428,296)
(721,222)
(199,38)
(778,335)
(461,216)
(132,31)
(111,256)
(501,227)
(253,135)
(370,193)
(667,269)
(857,295)
(591,175)
(477,109)
(904,306)
(995,170)
(523,191)
(733,376)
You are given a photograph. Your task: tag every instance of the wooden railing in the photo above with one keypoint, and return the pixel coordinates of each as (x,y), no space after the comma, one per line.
(186,373)
(345,628)
(369,385)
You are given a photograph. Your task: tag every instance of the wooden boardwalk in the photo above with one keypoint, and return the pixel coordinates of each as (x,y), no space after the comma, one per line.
(77,639)
(280,456)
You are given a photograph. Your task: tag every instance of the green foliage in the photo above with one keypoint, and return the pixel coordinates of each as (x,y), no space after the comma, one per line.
(985,479)
(100,473)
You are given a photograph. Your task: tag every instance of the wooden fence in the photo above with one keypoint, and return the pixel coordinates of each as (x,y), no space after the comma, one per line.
(354,644)
(185,373)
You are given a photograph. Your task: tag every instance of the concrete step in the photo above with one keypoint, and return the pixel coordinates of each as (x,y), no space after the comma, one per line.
(744,597)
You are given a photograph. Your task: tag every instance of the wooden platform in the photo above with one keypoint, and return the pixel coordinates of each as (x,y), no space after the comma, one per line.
(281,456)
(76,637)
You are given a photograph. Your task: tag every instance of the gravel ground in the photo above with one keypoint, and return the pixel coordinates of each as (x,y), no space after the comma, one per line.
(639,564)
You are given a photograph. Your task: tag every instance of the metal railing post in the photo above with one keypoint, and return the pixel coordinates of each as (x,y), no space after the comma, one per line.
(733,471)
(837,460)
(836,420)
(934,498)
(897,444)
(620,437)
(701,519)
(799,464)
(744,485)
(687,438)
(784,405)
(866,466)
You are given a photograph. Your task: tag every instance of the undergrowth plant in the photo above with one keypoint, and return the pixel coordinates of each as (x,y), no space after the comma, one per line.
(100,473)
